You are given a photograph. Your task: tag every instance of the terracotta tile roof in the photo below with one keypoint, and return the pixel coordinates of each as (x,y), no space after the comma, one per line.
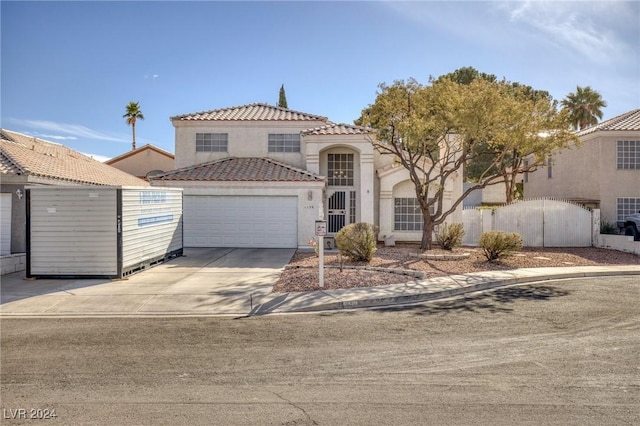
(25,155)
(241,169)
(337,129)
(629,121)
(260,112)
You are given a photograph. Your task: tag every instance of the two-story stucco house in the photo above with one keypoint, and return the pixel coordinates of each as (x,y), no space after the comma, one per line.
(604,173)
(260,176)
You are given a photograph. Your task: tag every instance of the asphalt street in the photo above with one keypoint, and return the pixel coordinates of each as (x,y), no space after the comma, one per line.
(562,352)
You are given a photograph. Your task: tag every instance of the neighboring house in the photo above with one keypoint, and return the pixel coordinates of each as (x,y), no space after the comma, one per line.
(492,195)
(258,175)
(26,161)
(148,160)
(604,173)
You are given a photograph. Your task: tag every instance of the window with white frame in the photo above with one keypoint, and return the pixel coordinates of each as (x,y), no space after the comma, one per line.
(526,171)
(627,206)
(407,215)
(340,169)
(212,142)
(628,155)
(284,142)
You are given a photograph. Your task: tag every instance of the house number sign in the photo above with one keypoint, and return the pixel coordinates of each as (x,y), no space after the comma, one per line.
(321,228)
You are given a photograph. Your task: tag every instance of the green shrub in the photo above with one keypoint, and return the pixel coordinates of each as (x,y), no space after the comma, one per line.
(450,236)
(357,241)
(498,243)
(608,228)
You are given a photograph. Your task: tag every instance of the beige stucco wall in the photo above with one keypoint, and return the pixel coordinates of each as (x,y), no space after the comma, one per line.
(589,172)
(615,183)
(575,174)
(494,194)
(245,139)
(141,163)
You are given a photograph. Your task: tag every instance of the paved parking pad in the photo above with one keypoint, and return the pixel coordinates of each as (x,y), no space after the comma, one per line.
(205,280)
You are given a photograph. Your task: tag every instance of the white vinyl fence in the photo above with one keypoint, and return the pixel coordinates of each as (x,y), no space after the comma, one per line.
(541,223)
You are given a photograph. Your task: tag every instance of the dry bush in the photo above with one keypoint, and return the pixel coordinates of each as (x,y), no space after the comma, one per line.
(498,243)
(450,236)
(357,241)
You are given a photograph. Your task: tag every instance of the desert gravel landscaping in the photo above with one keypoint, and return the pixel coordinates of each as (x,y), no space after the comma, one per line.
(302,272)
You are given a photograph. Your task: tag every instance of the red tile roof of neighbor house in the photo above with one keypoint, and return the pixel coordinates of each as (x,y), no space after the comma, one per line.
(629,121)
(256,111)
(337,129)
(26,155)
(241,169)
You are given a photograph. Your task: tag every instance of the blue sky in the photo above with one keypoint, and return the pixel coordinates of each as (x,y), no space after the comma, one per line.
(69,68)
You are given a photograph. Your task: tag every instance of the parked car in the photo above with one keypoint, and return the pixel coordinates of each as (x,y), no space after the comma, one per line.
(631,226)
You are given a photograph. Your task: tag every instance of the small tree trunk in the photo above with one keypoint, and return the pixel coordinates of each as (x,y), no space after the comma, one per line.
(509,190)
(427,233)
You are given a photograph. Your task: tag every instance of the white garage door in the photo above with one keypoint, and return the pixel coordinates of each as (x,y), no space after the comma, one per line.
(5,224)
(229,221)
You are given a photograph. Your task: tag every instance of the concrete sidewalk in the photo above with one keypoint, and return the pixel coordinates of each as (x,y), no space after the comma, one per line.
(428,289)
(190,286)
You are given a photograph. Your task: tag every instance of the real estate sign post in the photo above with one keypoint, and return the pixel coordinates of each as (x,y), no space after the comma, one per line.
(321,231)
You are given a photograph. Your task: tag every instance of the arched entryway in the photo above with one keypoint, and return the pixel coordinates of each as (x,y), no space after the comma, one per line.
(341,166)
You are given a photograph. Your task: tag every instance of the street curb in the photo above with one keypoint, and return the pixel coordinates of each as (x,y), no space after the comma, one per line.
(443,294)
(407,272)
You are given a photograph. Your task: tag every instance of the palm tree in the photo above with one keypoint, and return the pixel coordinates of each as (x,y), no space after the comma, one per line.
(133,113)
(584,107)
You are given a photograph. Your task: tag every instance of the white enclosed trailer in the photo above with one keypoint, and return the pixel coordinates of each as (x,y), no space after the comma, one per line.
(100,231)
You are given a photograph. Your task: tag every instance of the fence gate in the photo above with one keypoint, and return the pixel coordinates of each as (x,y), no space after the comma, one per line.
(472,222)
(566,224)
(541,223)
(525,218)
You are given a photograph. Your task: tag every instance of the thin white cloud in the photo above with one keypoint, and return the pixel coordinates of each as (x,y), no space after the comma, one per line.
(593,29)
(54,137)
(71,131)
(600,31)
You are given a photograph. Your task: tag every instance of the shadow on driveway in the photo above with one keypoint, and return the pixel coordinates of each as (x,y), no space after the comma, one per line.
(15,287)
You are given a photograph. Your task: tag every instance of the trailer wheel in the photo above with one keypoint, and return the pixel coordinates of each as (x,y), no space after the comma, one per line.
(632,231)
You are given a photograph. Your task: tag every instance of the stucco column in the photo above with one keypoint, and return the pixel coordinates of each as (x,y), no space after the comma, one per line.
(386,214)
(452,192)
(366,188)
(312,158)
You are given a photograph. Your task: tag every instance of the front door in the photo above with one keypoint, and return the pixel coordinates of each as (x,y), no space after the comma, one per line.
(337,211)
(341,210)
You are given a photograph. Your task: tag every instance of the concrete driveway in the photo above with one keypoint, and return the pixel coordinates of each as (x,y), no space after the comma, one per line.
(205,280)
